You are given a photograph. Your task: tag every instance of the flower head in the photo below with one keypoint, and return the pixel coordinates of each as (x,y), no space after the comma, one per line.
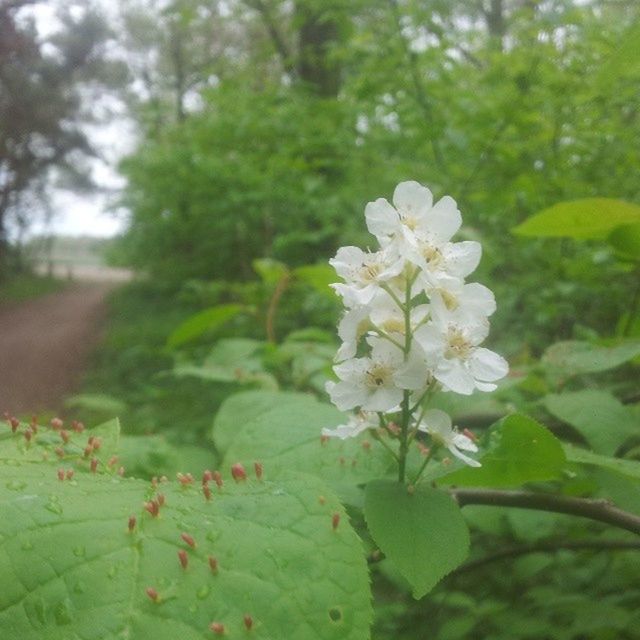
(439,426)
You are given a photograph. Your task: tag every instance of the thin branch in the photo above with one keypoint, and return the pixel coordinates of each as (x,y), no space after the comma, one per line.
(600,510)
(281,287)
(420,93)
(548,547)
(276,37)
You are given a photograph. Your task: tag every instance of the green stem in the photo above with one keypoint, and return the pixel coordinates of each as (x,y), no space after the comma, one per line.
(406,409)
(378,438)
(386,336)
(424,464)
(394,297)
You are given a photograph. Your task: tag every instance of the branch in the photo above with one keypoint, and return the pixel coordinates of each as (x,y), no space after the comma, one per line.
(548,547)
(275,35)
(420,93)
(600,510)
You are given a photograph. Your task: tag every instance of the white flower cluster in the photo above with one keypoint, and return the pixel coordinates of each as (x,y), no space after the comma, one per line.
(412,325)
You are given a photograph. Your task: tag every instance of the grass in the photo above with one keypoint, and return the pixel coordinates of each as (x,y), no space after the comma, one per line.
(25,286)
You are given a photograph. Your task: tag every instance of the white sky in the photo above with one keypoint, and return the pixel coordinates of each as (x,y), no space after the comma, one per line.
(90,214)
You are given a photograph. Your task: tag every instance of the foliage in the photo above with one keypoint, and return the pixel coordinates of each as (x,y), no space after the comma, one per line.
(244,557)
(35,141)
(26,285)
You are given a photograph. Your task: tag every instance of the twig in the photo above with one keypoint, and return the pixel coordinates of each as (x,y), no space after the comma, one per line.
(600,510)
(419,90)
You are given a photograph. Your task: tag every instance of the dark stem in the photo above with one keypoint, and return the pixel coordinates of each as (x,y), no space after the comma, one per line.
(600,510)
(282,285)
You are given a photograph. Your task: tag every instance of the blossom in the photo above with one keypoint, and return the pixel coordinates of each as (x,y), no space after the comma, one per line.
(377,383)
(445,264)
(450,342)
(363,272)
(413,217)
(354,324)
(356,424)
(439,426)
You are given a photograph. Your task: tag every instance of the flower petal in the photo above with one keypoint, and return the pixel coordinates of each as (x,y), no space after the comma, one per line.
(382,399)
(414,373)
(455,376)
(411,198)
(461,456)
(345,395)
(487,365)
(382,219)
(443,221)
(462,257)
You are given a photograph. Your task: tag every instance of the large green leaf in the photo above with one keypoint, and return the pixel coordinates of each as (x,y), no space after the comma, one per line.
(520,450)
(421,532)
(571,358)
(71,566)
(202,322)
(287,437)
(600,417)
(580,219)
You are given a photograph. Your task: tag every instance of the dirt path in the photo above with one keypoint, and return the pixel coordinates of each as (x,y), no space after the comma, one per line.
(44,346)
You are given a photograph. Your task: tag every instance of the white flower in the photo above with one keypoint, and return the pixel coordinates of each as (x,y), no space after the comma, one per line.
(356,425)
(445,265)
(363,272)
(450,342)
(354,324)
(469,301)
(382,314)
(438,425)
(388,316)
(413,217)
(377,383)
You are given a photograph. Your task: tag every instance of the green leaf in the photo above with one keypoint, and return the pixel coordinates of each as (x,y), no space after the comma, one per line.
(520,450)
(231,360)
(71,568)
(600,417)
(270,271)
(242,408)
(49,444)
(200,323)
(625,239)
(571,358)
(580,219)
(628,468)
(287,437)
(148,456)
(318,276)
(96,402)
(422,533)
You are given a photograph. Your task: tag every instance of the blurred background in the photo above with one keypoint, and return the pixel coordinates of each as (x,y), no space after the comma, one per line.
(174,176)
